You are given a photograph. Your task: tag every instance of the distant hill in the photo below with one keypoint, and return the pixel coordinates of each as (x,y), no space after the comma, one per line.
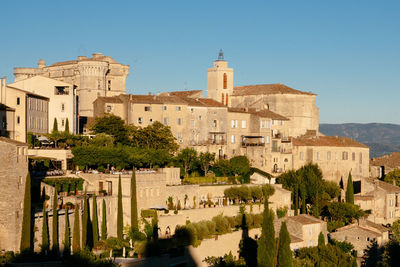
(382,138)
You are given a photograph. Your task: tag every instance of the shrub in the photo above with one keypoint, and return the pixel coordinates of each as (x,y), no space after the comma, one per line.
(281,212)
(333,225)
(221,224)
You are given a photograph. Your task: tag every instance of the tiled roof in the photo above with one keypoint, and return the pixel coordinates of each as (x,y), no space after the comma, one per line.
(11,141)
(363,197)
(183,93)
(210,102)
(326,141)
(370,227)
(264,113)
(109,99)
(391,161)
(266,89)
(304,219)
(383,185)
(154,99)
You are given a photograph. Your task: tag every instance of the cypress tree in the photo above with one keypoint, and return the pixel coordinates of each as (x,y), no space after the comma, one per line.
(67,240)
(26,219)
(76,240)
(321,240)
(45,231)
(95,221)
(285,258)
(103,222)
(85,222)
(350,190)
(120,223)
(296,200)
(266,243)
(67,126)
(303,199)
(134,212)
(55,126)
(55,223)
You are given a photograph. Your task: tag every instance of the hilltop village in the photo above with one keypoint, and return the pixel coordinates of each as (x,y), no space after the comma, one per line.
(168,164)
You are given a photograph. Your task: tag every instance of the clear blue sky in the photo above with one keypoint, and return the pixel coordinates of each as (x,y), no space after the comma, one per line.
(347,52)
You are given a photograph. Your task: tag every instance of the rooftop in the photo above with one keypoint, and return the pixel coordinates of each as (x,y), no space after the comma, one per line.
(264,113)
(391,161)
(383,185)
(267,89)
(11,141)
(304,219)
(326,141)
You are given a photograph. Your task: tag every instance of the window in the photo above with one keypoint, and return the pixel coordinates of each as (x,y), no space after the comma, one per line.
(360,160)
(109,85)
(223,98)
(164,108)
(199,117)
(225,81)
(150,120)
(62,107)
(243,124)
(109,108)
(139,120)
(18,100)
(178,108)
(179,121)
(62,122)
(301,155)
(328,156)
(317,155)
(165,121)
(390,202)
(345,155)
(192,110)
(281,122)
(147,108)
(353,156)
(233,123)
(192,123)
(267,139)
(18,120)
(215,123)
(232,139)
(61,90)
(335,155)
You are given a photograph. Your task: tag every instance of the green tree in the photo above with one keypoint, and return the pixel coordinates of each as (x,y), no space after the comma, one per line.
(266,243)
(240,165)
(26,219)
(134,211)
(95,221)
(395,229)
(55,126)
(321,240)
(76,240)
(303,199)
(205,160)
(285,258)
(103,222)
(120,222)
(55,223)
(349,190)
(67,126)
(67,238)
(296,200)
(187,157)
(111,125)
(85,219)
(393,176)
(45,231)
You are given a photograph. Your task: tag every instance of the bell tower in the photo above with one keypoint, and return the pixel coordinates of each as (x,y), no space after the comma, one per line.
(220,81)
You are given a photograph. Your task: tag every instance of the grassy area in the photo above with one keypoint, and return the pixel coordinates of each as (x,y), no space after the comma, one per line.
(205,180)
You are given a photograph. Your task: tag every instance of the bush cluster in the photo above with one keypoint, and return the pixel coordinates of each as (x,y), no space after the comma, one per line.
(66,184)
(244,193)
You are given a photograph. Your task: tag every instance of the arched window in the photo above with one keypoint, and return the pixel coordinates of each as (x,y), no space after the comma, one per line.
(226,99)
(225,81)
(223,98)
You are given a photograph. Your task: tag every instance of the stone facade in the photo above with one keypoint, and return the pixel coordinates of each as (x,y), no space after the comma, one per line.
(62,96)
(92,77)
(13,172)
(361,235)
(383,199)
(7,121)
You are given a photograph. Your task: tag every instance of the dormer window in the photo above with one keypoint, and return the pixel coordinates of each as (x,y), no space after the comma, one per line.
(225,81)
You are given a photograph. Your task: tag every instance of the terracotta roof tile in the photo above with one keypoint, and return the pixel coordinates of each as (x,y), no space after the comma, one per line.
(304,219)
(383,185)
(391,161)
(326,141)
(264,113)
(183,93)
(266,89)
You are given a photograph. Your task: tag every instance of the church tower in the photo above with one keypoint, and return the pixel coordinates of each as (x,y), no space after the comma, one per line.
(220,81)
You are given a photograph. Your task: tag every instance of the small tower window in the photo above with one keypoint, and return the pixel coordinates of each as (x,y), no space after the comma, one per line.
(109,85)
(225,81)
(223,98)
(18,101)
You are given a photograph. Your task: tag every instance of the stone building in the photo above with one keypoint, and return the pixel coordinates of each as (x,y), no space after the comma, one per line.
(31,111)
(385,164)
(91,77)
(361,234)
(336,156)
(62,99)
(383,199)
(13,172)
(304,230)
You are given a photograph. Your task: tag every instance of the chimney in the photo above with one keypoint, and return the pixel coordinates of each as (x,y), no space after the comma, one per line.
(3,90)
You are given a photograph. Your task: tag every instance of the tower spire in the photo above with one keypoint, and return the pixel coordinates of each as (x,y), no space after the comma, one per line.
(221,55)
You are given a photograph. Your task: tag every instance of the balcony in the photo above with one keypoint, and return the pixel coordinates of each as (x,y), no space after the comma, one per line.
(252,141)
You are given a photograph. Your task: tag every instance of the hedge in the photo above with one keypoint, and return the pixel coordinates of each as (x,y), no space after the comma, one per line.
(67,184)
